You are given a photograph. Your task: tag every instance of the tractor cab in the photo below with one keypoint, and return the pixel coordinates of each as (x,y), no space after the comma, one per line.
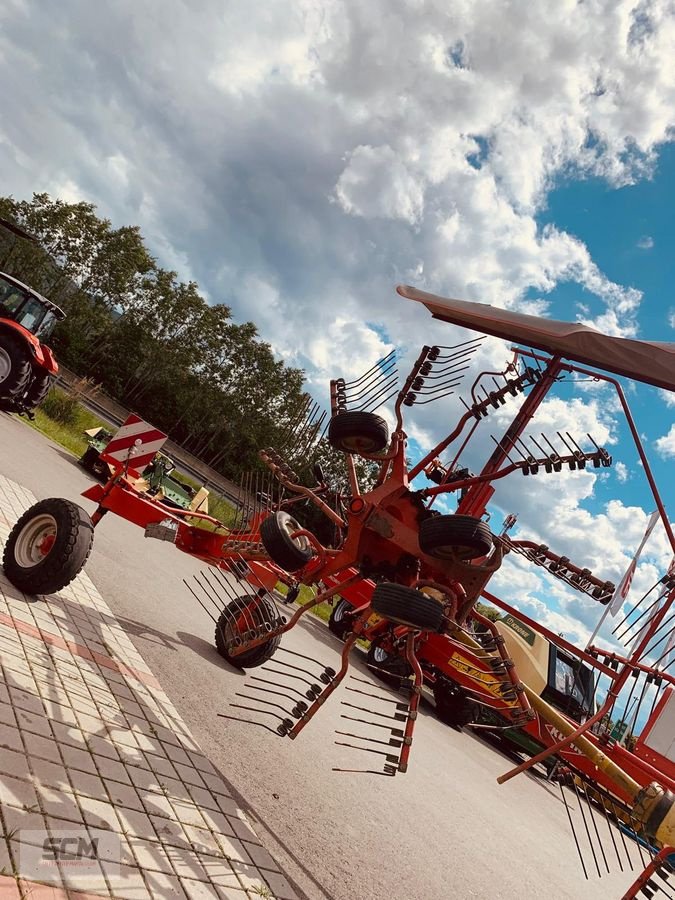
(30,310)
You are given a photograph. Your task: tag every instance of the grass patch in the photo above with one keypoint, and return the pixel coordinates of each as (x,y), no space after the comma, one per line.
(69,436)
(322,611)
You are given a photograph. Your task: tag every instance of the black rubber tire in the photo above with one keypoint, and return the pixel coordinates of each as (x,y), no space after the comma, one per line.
(265,612)
(37,390)
(275,534)
(388,668)
(67,556)
(337,623)
(464,537)
(13,386)
(92,462)
(406,606)
(453,707)
(358,432)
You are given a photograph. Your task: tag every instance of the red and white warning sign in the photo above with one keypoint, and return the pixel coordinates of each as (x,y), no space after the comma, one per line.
(136,441)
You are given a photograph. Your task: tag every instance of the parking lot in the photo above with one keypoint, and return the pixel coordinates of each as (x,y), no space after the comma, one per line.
(445,829)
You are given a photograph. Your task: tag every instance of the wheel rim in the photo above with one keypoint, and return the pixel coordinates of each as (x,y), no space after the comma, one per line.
(35,541)
(290,525)
(358,445)
(5,364)
(380,655)
(339,613)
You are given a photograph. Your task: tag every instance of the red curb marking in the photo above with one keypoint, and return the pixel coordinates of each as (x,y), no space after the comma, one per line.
(54,640)
(9,890)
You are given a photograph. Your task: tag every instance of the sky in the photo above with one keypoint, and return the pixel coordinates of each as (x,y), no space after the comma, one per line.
(299,159)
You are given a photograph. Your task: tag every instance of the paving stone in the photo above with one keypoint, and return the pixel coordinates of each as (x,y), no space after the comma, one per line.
(124,795)
(86,784)
(156,804)
(17,791)
(10,738)
(164,887)
(249,876)
(49,773)
(279,886)
(151,855)
(78,758)
(44,748)
(203,799)
(135,823)
(110,769)
(99,814)
(170,833)
(59,804)
(261,857)
(161,765)
(198,890)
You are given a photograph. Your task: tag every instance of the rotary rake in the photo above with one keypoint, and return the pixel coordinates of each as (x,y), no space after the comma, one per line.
(412,577)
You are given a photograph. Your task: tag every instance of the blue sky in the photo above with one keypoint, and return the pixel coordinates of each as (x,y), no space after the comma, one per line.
(304,157)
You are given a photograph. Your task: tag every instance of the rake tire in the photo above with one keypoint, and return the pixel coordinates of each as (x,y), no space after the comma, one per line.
(358,432)
(16,360)
(337,623)
(388,668)
(287,553)
(464,537)
(406,606)
(256,656)
(73,540)
(453,707)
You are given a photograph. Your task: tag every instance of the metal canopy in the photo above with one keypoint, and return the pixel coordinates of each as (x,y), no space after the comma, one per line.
(652,362)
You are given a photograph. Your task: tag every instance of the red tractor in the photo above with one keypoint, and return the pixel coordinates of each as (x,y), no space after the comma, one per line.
(27,365)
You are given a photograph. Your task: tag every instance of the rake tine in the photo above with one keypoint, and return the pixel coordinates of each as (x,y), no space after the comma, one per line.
(208,613)
(622,835)
(389,359)
(398,717)
(396,732)
(574,834)
(611,832)
(368,694)
(644,612)
(392,742)
(249,721)
(389,756)
(595,826)
(588,833)
(302,656)
(288,687)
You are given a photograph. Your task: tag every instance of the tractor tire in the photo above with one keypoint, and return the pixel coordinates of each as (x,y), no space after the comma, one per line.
(92,462)
(339,623)
(48,547)
(358,432)
(387,667)
(453,707)
(265,613)
(37,391)
(288,553)
(464,537)
(14,368)
(406,606)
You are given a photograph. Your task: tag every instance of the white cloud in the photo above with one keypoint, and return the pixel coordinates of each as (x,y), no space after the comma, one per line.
(671,318)
(298,159)
(668,397)
(646,242)
(622,472)
(665,446)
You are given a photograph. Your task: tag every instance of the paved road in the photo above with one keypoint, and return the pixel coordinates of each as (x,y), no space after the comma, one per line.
(444,830)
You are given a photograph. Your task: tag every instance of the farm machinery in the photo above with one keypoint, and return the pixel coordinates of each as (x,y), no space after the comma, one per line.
(156,478)
(411,575)
(27,365)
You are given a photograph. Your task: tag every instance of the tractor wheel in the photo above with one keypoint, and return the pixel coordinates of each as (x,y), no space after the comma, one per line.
(289,553)
(464,537)
(340,622)
(92,462)
(388,667)
(264,614)
(453,707)
(14,368)
(37,390)
(358,432)
(406,606)
(48,547)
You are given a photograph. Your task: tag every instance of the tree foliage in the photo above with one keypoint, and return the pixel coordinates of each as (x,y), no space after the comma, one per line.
(150,340)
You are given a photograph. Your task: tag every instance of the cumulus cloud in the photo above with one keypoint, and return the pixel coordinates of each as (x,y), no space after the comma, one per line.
(299,159)
(665,446)
(646,242)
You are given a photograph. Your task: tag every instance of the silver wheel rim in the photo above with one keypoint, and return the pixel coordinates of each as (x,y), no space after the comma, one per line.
(32,545)
(290,525)
(339,613)
(380,655)
(5,364)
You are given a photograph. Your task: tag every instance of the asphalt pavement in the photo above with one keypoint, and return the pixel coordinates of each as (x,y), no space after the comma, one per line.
(443,830)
